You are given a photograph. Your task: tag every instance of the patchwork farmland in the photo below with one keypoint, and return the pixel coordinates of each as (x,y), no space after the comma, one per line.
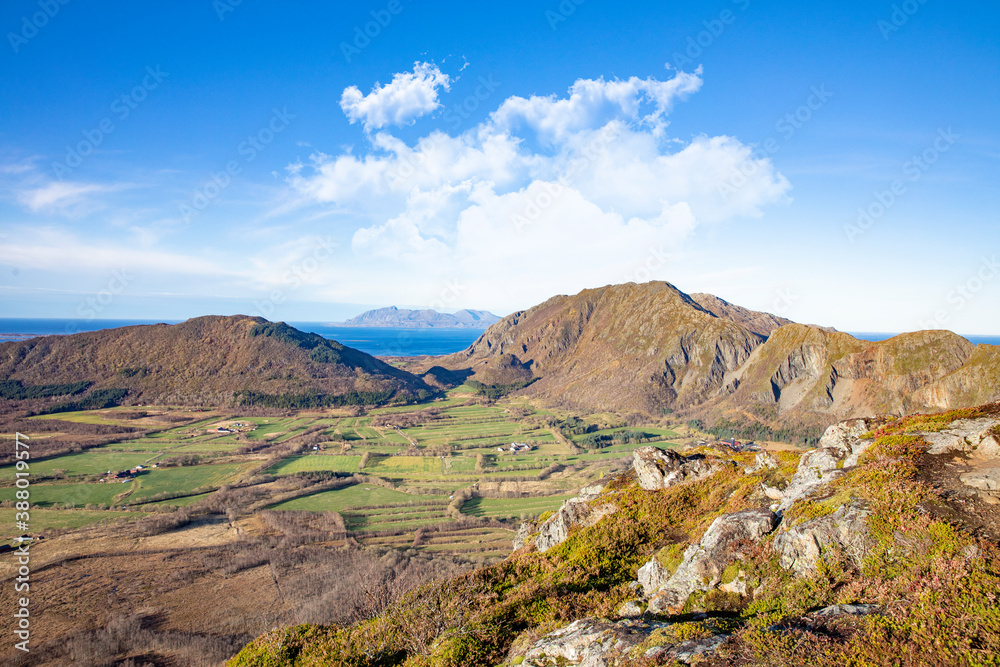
(438,477)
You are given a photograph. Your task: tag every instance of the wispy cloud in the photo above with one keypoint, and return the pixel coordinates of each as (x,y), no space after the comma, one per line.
(61,195)
(55,250)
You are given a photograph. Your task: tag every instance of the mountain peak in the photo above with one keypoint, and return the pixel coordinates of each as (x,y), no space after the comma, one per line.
(393,317)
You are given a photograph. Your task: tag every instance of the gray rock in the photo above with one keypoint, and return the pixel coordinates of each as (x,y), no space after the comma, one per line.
(592,642)
(631,609)
(846,609)
(527,529)
(987,479)
(660,469)
(685,651)
(704,563)
(762,461)
(652,576)
(967,436)
(800,547)
(586,642)
(579,511)
(590,492)
(839,448)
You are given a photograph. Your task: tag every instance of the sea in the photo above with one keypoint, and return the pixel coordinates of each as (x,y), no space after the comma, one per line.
(381,341)
(373,340)
(875,337)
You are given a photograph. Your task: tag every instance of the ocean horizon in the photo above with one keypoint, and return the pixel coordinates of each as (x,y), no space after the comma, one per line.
(380,341)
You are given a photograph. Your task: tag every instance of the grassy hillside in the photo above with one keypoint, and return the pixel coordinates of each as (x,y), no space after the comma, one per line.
(924,583)
(206,361)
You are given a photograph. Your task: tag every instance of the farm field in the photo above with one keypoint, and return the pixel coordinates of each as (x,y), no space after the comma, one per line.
(515,508)
(45,495)
(403,465)
(84,463)
(457,439)
(183,501)
(182,480)
(47,519)
(361,495)
(316,462)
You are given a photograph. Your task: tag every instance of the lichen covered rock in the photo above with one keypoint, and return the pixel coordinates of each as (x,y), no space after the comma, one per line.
(800,547)
(705,562)
(839,448)
(657,468)
(592,642)
(579,511)
(966,436)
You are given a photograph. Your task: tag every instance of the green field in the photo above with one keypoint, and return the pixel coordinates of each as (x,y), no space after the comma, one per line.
(42,520)
(517,508)
(397,465)
(209,447)
(457,432)
(183,480)
(95,462)
(177,502)
(45,495)
(314,463)
(359,495)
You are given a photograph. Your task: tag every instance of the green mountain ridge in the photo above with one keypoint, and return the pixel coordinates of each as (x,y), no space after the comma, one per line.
(209,361)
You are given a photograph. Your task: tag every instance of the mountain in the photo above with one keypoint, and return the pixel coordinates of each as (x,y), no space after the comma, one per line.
(651,347)
(206,361)
(401,318)
(752,320)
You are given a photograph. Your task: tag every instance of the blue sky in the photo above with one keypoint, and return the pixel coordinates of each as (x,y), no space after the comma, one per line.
(836,163)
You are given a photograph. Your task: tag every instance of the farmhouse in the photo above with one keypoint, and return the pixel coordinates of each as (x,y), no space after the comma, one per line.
(515,447)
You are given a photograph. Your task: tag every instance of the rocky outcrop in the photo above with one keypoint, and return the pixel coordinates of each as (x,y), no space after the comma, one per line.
(839,448)
(527,529)
(662,468)
(579,511)
(759,323)
(704,562)
(966,436)
(652,576)
(593,642)
(586,642)
(801,547)
(762,461)
(986,481)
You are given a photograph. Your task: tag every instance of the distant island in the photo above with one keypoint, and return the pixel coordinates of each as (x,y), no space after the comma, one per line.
(402,318)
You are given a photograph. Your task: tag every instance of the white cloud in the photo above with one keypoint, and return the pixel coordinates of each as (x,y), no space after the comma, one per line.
(58,195)
(592,103)
(549,194)
(407,97)
(54,250)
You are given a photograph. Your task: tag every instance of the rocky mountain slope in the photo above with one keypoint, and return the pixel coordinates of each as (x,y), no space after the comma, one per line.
(751,320)
(877,548)
(651,347)
(206,361)
(423,319)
